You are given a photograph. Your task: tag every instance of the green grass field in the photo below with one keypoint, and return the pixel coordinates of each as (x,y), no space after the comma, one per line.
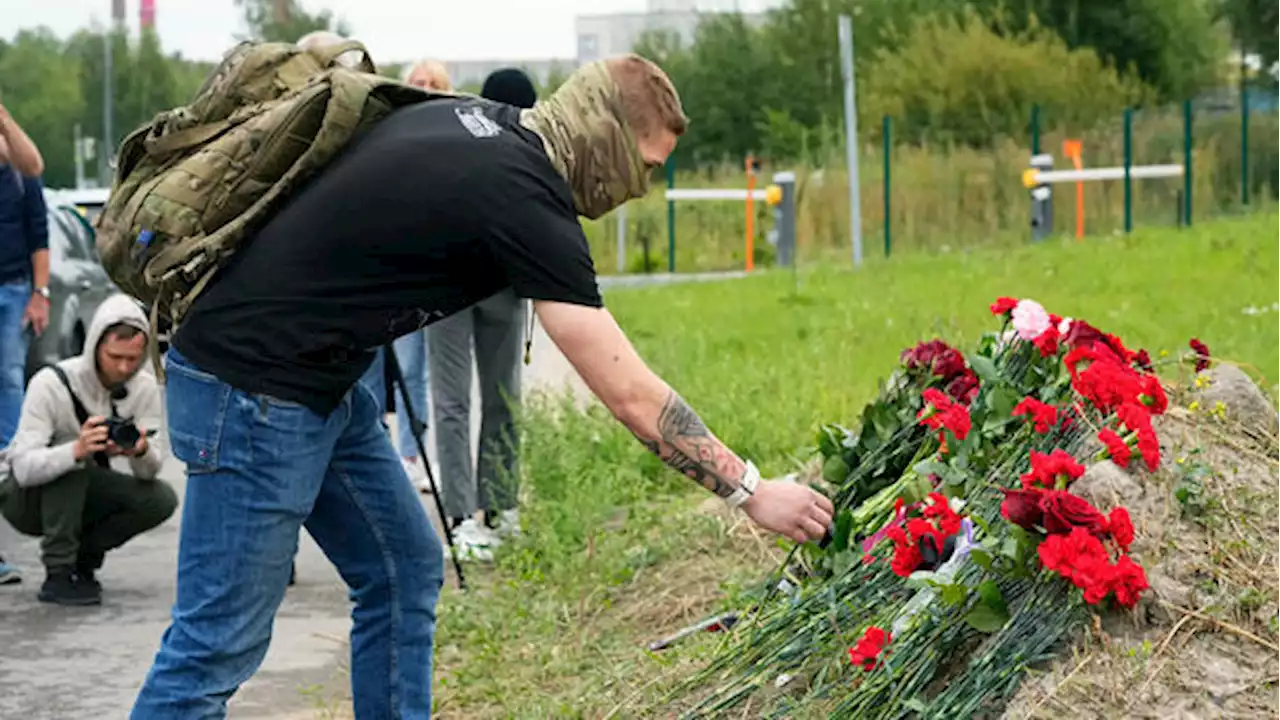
(614,554)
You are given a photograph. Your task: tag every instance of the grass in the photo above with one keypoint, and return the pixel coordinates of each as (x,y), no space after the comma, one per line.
(955,198)
(615,552)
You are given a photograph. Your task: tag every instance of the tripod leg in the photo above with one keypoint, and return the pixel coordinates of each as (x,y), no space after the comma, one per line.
(393,365)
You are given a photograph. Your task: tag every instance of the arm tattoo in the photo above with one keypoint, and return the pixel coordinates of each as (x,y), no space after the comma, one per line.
(686,444)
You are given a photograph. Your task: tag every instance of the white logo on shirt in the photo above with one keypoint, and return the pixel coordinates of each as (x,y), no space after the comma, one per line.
(476,123)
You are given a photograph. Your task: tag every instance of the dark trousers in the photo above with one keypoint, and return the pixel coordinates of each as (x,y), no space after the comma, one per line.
(87,512)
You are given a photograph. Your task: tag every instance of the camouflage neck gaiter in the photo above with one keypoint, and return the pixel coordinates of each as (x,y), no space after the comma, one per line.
(589,142)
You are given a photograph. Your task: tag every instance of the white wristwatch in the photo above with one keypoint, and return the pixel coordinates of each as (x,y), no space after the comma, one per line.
(747,487)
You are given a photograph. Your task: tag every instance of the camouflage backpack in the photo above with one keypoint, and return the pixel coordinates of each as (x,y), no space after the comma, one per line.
(192,184)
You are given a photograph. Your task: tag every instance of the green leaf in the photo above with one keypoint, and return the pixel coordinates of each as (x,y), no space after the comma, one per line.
(954,594)
(981,557)
(1009,548)
(844,526)
(915,704)
(984,618)
(835,470)
(985,369)
(992,597)
(930,467)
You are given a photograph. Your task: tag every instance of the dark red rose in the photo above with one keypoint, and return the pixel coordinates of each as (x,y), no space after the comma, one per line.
(1202,354)
(1143,361)
(1082,334)
(1063,511)
(1022,508)
(964,388)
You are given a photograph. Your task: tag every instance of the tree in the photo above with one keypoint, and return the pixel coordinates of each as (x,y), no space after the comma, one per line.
(40,86)
(286,21)
(1255,27)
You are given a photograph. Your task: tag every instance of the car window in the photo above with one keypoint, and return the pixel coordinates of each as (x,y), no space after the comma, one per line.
(63,238)
(82,232)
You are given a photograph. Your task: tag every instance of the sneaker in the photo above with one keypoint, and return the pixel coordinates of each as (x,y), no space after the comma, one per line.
(474,541)
(507,524)
(86,571)
(417,474)
(63,587)
(9,575)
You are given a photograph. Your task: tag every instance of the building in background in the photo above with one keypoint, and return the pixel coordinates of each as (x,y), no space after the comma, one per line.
(602,36)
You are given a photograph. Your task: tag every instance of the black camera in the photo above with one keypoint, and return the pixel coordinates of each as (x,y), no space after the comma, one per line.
(121,430)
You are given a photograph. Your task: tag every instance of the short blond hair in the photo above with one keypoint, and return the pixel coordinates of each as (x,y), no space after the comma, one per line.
(429,75)
(649,100)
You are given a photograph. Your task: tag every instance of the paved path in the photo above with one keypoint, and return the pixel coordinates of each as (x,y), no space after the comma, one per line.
(61,663)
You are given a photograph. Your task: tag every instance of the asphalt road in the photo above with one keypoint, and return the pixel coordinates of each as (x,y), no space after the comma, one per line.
(60,663)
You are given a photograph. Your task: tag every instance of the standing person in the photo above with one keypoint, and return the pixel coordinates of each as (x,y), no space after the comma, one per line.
(495,325)
(439,205)
(64,488)
(24,274)
(411,348)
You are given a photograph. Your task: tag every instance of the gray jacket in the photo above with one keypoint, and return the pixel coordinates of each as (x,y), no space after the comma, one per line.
(42,449)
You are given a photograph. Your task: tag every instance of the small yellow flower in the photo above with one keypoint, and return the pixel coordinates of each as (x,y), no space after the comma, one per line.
(1181,461)
(1195,405)
(1164,353)
(1201,381)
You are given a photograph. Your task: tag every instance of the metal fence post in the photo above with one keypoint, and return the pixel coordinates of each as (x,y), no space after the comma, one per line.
(887,137)
(784,218)
(622,237)
(1186,163)
(1244,144)
(1128,170)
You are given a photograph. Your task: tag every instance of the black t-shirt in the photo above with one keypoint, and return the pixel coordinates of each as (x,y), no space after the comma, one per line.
(439,206)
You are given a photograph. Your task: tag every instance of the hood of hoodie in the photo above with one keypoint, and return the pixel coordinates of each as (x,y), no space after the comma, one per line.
(83,368)
(589,141)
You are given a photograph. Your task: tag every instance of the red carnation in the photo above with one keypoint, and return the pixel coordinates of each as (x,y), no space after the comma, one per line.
(1042,414)
(1153,395)
(1003,306)
(1143,361)
(1064,511)
(939,510)
(1120,527)
(1127,581)
(1117,448)
(940,412)
(1048,470)
(1047,341)
(1202,354)
(1078,556)
(906,554)
(964,388)
(1137,419)
(866,652)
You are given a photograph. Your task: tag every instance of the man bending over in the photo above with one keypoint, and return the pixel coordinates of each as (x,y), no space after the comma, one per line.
(439,206)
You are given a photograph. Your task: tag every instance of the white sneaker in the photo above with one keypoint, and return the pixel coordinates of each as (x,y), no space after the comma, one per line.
(508,524)
(474,541)
(417,474)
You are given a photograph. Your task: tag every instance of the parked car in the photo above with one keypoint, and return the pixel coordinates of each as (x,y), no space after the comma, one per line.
(77,285)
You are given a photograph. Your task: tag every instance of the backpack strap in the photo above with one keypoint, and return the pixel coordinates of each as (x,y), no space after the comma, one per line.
(329,54)
(81,414)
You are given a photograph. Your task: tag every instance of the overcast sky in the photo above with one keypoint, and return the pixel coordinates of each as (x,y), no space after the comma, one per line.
(394,30)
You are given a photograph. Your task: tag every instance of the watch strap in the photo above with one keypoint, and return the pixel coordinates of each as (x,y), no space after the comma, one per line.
(746,487)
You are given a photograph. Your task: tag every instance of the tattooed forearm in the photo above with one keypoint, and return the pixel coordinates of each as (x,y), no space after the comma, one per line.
(686,444)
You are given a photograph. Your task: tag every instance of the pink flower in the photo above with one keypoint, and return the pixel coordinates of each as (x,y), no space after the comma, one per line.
(1030,319)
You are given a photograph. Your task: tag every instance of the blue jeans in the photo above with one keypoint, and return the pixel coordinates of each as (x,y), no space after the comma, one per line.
(411,351)
(258,470)
(373,379)
(14,297)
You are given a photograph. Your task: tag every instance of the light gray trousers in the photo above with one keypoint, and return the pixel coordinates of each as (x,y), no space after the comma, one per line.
(496,327)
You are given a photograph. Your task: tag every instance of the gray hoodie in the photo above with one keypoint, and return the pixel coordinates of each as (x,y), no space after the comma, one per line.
(42,449)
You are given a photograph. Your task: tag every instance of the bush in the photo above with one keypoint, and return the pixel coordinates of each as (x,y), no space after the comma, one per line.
(955,80)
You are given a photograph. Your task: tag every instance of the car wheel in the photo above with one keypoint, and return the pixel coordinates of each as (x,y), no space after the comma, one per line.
(77,341)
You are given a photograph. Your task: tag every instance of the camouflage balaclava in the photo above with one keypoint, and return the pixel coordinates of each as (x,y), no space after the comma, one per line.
(588,140)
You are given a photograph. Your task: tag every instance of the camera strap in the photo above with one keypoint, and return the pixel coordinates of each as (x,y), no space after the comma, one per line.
(82,415)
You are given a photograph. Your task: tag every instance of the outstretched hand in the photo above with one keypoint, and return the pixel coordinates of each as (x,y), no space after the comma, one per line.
(788,508)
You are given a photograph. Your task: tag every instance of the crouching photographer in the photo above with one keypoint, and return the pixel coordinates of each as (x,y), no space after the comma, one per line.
(84,422)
